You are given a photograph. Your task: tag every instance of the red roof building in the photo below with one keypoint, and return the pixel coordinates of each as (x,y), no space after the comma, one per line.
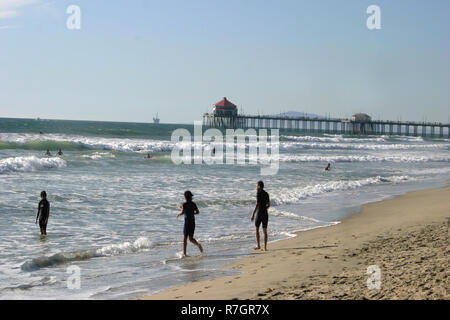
(225,108)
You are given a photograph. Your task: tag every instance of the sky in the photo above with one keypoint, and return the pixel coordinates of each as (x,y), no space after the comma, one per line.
(132,59)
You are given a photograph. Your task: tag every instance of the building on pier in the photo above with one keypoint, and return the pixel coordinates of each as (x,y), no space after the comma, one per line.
(225,116)
(225,108)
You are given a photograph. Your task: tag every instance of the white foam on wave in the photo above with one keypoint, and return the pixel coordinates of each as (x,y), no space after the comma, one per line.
(294,195)
(335,138)
(94,143)
(282,213)
(141,244)
(358,146)
(30,163)
(98,155)
(404,138)
(364,158)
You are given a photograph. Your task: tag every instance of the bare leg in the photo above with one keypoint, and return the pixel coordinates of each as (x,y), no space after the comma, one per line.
(184,245)
(196,243)
(258,246)
(265,238)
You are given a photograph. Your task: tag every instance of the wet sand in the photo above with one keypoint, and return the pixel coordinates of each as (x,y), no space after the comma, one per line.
(405,237)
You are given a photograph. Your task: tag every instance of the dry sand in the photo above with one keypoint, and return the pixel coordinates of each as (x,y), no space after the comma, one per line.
(406,237)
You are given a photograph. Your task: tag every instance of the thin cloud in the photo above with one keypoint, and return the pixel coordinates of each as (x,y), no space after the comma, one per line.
(8,27)
(11,8)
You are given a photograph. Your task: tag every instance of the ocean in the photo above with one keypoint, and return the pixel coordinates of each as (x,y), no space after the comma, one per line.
(113,213)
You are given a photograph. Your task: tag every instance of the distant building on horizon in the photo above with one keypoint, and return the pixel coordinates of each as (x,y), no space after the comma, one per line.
(361,117)
(225,108)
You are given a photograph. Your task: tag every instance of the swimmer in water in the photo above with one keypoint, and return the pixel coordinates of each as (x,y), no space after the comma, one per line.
(43,213)
(189,209)
(328,168)
(148,156)
(48,153)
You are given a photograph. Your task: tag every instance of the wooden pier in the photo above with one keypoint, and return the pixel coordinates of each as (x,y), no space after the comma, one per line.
(359,124)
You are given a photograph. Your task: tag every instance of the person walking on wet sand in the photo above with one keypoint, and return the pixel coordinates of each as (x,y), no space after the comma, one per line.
(262,204)
(43,213)
(189,209)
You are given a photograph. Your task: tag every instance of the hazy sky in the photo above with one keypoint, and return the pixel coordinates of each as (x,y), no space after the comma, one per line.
(133,58)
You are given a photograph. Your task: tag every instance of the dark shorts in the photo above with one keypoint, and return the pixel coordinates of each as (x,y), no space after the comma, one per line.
(189,228)
(262,218)
(42,224)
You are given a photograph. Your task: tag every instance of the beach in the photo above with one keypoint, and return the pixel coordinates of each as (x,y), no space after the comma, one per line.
(405,237)
(110,205)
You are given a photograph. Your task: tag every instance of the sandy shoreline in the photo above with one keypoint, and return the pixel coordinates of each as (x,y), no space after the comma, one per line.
(405,237)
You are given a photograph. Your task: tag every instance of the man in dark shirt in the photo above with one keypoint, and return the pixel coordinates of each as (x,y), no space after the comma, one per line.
(262,204)
(43,213)
(189,209)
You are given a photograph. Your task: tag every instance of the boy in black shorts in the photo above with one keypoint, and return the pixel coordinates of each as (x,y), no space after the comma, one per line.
(189,209)
(262,204)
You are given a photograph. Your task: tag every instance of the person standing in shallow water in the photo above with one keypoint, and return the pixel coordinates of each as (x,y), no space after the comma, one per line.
(262,204)
(189,209)
(43,213)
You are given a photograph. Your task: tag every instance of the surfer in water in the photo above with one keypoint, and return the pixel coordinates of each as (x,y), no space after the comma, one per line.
(148,156)
(43,213)
(189,209)
(328,167)
(262,204)
(48,154)
(60,153)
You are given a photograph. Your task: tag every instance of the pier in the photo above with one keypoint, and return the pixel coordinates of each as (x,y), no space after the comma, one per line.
(225,116)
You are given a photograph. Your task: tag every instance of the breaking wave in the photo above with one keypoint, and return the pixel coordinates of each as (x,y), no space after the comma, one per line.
(358,146)
(294,195)
(140,244)
(364,158)
(67,143)
(31,163)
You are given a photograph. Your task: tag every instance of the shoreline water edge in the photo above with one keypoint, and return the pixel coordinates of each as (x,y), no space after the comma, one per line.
(404,239)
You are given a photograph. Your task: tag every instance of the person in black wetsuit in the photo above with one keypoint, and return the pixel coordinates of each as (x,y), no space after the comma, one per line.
(189,209)
(262,204)
(43,213)
(328,168)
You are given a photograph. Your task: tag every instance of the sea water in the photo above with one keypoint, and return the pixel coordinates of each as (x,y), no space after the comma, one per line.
(113,213)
